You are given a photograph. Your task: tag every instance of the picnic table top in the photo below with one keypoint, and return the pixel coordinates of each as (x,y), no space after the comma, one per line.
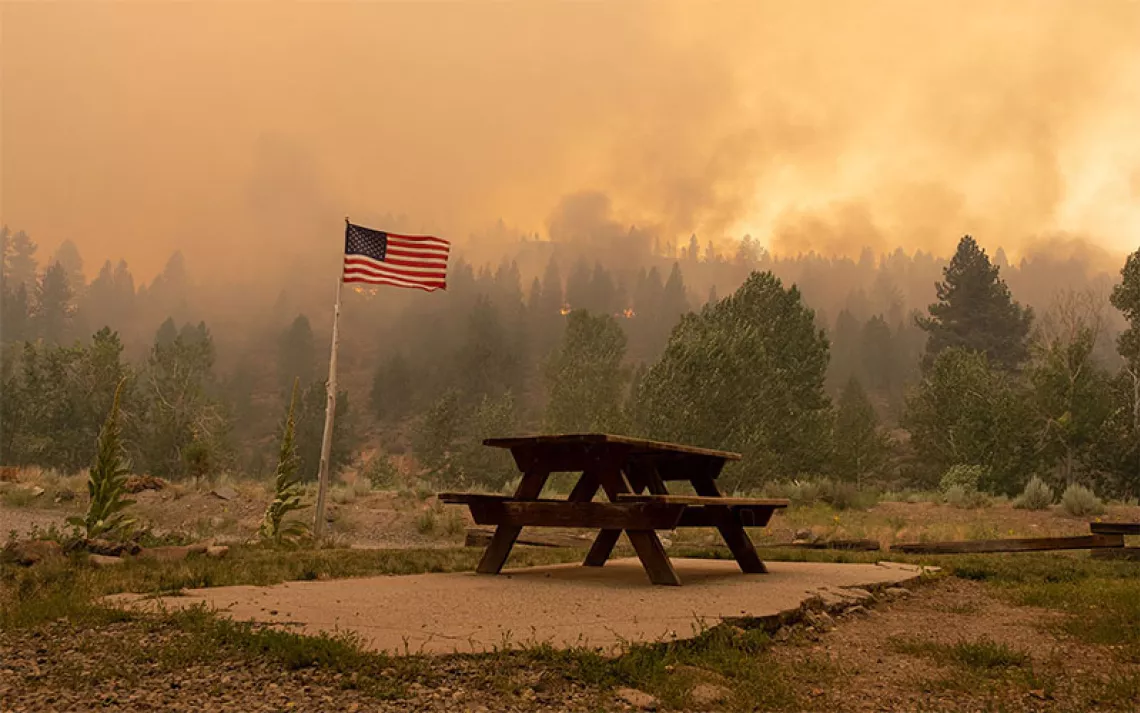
(635,445)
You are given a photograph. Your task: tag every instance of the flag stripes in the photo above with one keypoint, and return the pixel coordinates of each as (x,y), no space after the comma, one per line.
(413,261)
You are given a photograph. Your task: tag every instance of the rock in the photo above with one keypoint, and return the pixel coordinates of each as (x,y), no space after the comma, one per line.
(782,634)
(803,536)
(30,552)
(896,593)
(705,695)
(37,491)
(111,549)
(861,595)
(224,492)
(638,699)
(104,560)
(218,551)
(858,610)
(820,620)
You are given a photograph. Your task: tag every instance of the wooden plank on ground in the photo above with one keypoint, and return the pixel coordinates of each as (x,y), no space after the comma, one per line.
(703,500)
(1029,544)
(605,516)
(1118,553)
(481,537)
(1115,528)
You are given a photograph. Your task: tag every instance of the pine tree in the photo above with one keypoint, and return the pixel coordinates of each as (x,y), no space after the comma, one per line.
(15,314)
(287,488)
(68,256)
(53,309)
(393,388)
(674,300)
(106,481)
(861,448)
(20,265)
(976,311)
(585,377)
(296,353)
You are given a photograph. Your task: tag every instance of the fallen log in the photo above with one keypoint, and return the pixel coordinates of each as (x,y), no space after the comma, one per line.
(854,545)
(481,537)
(1029,544)
(1115,528)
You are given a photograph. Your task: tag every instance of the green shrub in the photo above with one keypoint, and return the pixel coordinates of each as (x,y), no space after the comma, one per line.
(1079,501)
(1036,496)
(967,477)
(382,473)
(959,497)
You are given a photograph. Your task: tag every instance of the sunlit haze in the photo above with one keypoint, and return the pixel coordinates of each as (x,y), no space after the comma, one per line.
(242,131)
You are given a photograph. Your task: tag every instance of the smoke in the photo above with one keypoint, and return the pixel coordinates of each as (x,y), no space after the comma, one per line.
(245,132)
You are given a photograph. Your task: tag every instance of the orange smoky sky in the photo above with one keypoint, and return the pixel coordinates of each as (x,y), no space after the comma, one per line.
(247,131)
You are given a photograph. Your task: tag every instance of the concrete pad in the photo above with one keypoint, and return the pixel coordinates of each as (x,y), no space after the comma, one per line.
(564,605)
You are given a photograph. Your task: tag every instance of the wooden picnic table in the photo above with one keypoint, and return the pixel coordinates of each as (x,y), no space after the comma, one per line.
(633,474)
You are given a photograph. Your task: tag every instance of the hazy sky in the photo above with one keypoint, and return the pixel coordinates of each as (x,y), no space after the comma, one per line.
(248,130)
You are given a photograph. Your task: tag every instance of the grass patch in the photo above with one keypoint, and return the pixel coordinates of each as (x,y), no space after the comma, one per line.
(66,588)
(983,654)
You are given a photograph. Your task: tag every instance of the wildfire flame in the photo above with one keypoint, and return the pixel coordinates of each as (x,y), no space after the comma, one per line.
(565,310)
(628,313)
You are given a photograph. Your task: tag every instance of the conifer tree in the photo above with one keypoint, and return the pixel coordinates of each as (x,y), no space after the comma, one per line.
(975,311)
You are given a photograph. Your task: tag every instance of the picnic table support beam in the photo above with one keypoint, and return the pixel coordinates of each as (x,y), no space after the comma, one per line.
(530,487)
(731,529)
(645,542)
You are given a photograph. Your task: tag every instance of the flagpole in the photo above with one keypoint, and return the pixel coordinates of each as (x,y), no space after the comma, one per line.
(330,411)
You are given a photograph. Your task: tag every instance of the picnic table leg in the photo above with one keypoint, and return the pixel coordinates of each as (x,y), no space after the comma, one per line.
(583,492)
(731,529)
(505,535)
(645,542)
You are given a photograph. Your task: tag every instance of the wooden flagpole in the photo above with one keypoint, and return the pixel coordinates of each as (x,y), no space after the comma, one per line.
(330,412)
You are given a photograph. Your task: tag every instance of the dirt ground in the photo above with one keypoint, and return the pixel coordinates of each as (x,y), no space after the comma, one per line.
(879,671)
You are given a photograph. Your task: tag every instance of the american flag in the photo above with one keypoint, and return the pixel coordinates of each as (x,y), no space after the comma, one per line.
(418,261)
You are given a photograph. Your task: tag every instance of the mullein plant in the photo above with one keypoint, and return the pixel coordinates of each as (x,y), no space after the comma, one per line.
(287,489)
(106,482)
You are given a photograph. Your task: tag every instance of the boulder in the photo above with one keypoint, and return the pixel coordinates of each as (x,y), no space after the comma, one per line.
(636,699)
(803,536)
(30,552)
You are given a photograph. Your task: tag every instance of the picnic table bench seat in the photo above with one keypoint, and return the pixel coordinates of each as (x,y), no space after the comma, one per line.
(628,511)
(632,473)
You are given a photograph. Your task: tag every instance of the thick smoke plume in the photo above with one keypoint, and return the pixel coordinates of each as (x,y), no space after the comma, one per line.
(245,132)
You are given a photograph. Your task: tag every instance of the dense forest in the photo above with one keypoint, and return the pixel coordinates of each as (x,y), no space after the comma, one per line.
(885,370)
